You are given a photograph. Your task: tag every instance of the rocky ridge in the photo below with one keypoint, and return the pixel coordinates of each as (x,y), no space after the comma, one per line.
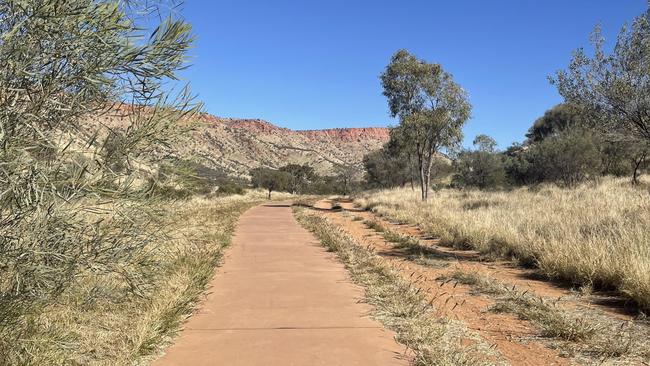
(237,145)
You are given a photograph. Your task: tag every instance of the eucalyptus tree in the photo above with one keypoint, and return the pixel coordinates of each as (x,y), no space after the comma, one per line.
(385,168)
(613,89)
(271,179)
(554,121)
(431,106)
(63,179)
(485,143)
(482,167)
(346,175)
(300,176)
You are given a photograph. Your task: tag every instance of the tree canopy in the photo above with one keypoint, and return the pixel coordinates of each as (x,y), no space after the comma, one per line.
(270,179)
(300,176)
(485,143)
(613,89)
(554,121)
(482,167)
(431,107)
(387,167)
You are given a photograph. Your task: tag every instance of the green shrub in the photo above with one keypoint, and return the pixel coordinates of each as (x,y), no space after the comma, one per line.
(569,158)
(479,169)
(73,204)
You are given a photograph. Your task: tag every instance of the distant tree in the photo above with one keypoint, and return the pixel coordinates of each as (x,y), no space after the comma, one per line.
(639,161)
(300,176)
(432,109)
(328,184)
(270,179)
(405,152)
(554,121)
(377,165)
(569,158)
(485,143)
(516,165)
(483,167)
(628,159)
(622,159)
(347,175)
(386,167)
(613,89)
(618,157)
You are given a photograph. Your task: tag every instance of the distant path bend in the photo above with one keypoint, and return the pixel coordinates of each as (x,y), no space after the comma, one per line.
(281,299)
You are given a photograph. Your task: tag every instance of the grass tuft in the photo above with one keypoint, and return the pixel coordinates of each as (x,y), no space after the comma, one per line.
(375,225)
(553,321)
(586,332)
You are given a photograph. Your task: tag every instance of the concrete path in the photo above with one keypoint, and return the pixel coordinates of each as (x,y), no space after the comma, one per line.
(281,299)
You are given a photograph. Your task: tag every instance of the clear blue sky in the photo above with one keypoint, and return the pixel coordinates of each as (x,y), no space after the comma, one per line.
(315,64)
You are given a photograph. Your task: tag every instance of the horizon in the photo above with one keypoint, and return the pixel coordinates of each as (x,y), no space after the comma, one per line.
(296,130)
(316,66)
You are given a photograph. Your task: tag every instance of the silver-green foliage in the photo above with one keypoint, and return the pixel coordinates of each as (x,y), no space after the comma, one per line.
(431,106)
(613,89)
(70,205)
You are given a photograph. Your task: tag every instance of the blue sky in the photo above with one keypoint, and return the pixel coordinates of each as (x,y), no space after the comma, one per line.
(315,64)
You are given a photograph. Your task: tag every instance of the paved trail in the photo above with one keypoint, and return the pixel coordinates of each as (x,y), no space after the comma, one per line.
(281,299)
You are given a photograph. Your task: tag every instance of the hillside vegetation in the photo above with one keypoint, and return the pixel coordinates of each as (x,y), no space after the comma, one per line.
(590,235)
(235,146)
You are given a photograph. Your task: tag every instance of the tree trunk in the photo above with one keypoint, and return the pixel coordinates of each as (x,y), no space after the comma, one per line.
(411,171)
(427,183)
(421,176)
(269,194)
(423,188)
(427,175)
(637,165)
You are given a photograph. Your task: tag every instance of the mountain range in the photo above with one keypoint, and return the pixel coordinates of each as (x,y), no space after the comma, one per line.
(235,146)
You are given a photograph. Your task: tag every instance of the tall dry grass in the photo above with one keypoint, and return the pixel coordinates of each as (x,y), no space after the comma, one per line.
(94,322)
(590,235)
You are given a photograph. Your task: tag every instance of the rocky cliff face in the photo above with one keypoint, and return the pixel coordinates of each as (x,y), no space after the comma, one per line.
(235,146)
(348,134)
(238,145)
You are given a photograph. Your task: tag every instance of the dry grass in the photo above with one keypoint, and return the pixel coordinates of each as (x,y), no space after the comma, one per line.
(374,225)
(86,327)
(590,235)
(584,333)
(554,321)
(399,305)
(411,246)
(403,241)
